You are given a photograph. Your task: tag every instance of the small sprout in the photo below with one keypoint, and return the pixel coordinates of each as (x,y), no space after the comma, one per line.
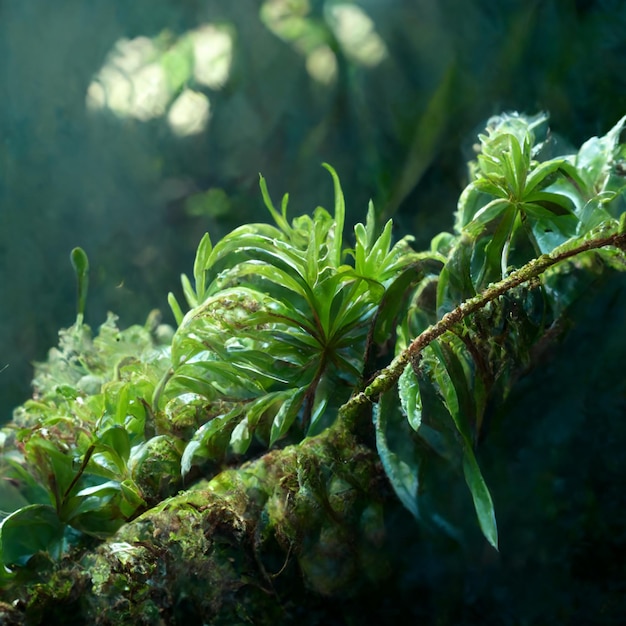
(80,262)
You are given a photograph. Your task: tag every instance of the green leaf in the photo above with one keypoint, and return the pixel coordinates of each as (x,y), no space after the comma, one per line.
(80,262)
(201,264)
(487,214)
(455,283)
(279,218)
(55,466)
(396,297)
(286,415)
(327,390)
(241,437)
(336,246)
(595,156)
(29,530)
(115,442)
(401,467)
(495,261)
(541,175)
(210,440)
(188,291)
(11,498)
(481,497)
(462,407)
(410,400)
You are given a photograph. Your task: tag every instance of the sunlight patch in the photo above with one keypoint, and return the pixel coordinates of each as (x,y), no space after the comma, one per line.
(356,33)
(213,54)
(189,114)
(147,78)
(321,64)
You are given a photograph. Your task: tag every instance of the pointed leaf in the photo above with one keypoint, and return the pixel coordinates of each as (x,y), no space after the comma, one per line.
(340,214)
(481,497)
(401,470)
(286,415)
(410,399)
(203,254)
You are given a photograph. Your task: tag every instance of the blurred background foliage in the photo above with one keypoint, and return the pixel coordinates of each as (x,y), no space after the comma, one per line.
(131,128)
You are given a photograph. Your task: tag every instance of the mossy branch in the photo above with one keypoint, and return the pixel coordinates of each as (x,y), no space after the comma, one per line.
(389,376)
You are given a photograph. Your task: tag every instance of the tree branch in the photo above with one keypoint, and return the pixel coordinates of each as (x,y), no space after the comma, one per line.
(389,376)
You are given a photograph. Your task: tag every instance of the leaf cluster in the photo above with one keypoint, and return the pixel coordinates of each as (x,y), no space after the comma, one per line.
(284,327)
(73,458)
(280,322)
(515,208)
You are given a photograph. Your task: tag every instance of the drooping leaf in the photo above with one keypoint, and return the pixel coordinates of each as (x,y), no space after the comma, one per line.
(480,495)
(401,466)
(461,404)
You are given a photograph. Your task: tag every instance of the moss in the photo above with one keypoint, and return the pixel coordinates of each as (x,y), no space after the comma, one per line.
(248,546)
(156,468)
(10,615)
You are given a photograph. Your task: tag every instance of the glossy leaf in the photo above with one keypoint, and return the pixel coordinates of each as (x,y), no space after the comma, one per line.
(286,415)
(29,530)
(410,399)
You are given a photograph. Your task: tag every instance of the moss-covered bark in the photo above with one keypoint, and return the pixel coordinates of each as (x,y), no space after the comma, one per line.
(258,545)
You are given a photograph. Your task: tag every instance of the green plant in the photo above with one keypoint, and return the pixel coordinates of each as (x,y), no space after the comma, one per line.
(281,321)
(472,338)
(285,329)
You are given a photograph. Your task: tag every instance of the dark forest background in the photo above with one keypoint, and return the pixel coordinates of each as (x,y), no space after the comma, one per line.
(96,151)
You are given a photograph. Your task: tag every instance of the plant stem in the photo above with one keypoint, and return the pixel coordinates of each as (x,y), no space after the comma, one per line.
(389,376)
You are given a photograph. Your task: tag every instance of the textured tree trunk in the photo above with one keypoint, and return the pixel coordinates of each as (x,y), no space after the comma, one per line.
(279,540)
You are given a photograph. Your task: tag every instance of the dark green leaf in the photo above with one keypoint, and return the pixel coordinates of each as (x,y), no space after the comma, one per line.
(401,467)
(29,530)
(286,415)
(481,497)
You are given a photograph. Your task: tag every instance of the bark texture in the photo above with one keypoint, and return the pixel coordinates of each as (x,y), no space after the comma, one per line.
(267,543)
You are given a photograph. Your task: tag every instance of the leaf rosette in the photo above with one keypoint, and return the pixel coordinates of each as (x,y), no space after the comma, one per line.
(280,323)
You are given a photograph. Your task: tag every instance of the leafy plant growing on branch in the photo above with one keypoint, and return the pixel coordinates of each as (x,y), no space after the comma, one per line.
(285,329)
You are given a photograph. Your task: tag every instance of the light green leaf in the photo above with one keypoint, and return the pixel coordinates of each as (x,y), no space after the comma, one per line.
(241,437)
(410,399)
(116,442)
(279,218)
(175,307)
(336,246)
(188,291)
(201,264)
(210,440)
(487,214)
